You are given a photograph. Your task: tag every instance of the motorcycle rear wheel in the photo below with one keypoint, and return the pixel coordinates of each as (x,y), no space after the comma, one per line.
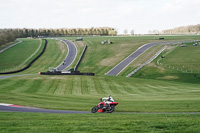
(111,110)
(94,109)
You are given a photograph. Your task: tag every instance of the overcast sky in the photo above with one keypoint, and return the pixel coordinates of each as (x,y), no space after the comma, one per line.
(139,15)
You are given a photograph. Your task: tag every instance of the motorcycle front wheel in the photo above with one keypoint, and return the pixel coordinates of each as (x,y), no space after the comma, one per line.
(94,109)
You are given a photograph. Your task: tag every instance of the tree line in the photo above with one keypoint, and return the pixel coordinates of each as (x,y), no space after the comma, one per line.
(191,29)
(9,35)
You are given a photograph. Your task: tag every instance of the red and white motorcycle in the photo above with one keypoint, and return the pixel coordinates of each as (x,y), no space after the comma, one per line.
(106,105)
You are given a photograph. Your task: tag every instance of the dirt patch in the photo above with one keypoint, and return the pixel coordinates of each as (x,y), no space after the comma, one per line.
(55,77)
(162,69)
(119,55)
(169,77)
(109,61)
(169,48)
(79,43)
(62,46)
(36,78)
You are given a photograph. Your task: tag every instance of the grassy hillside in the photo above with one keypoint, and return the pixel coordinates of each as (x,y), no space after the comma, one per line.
(55,53)
(7,44)
(101,58)
(180,64)
(19,55)
(83,92)
(142,94)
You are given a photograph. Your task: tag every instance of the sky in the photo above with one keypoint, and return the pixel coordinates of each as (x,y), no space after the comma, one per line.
(138,15)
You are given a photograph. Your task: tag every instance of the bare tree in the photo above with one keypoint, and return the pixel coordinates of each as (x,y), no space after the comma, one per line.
(125,31)
(132,32)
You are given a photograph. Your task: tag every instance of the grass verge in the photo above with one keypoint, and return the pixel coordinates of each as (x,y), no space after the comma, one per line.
(38,122)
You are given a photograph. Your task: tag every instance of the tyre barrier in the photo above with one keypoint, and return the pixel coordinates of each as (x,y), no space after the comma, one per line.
(81,57)
(26,67)
(60,73)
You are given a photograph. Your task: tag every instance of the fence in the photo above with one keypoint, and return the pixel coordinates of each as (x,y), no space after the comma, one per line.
(178,68)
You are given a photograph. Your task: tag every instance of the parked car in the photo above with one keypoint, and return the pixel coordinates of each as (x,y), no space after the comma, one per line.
(195,44)
(183,45)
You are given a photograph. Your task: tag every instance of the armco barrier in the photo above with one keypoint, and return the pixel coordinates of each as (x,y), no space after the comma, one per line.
(75,68)
(26,67)
(72,73)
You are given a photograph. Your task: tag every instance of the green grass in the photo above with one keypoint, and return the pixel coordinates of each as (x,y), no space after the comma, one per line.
(38,122)
(7,44)
(102,58)
(149,92)
(184,58)
(180,64)
(83,92)
(54,55)
(19,55)
(141,59)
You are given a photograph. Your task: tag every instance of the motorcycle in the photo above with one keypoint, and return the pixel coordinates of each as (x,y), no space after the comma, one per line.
(106,105)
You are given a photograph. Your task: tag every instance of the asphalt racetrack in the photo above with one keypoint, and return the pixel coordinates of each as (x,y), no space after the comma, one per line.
(72,51)
(29,109)
(36,110)
(123,64)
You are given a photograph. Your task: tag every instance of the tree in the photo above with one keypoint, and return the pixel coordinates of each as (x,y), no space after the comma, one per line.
(125,31)
(112,32)
(132,32)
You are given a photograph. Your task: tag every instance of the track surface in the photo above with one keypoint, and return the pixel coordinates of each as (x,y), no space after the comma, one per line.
(36,110)
(27,109)
(72,51)
(122,65)
(9,76)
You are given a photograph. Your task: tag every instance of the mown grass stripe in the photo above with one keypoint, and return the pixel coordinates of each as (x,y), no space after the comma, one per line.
(131,88)
(84,85)
(105,87)
(76,86)
(59,88)
(45,87)
(91,86)
(98,86)
(69,85)
(34,87)
(54,86)
(113,87)
(23,86)
(9,86)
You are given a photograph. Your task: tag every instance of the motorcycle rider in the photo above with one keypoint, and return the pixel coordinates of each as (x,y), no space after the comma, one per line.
(107,100)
